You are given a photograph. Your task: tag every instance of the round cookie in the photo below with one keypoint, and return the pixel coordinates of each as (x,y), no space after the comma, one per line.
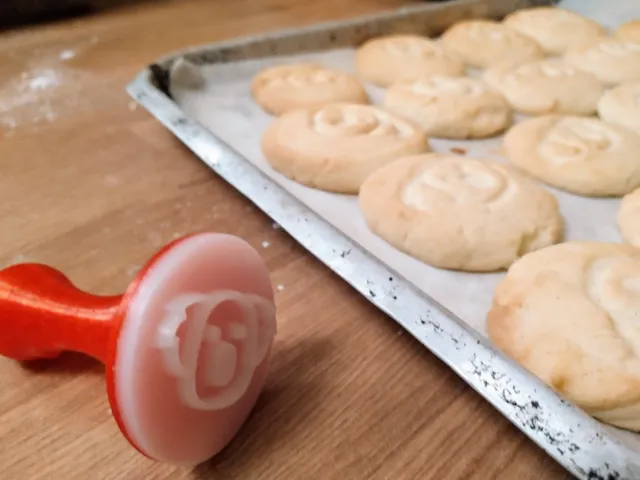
(629,218)
(621,105)
(582,155)
(450,107)
(483,43)
(569,314)
(546,86)
(555,29)
(336,147)
(459,213)
(283,88)
(629,31)
(612,60)
(396,58)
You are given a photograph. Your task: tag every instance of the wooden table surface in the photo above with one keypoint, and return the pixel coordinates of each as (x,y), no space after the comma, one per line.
(93,186)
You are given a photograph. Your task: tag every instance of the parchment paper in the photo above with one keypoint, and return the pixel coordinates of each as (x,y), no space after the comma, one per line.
(224,105)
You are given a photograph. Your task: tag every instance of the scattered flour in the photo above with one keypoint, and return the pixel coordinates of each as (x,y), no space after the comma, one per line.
(31,89)
(43,79)
(67,54)
(44,91)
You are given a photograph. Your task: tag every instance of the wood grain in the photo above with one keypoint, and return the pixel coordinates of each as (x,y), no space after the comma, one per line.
(93,186)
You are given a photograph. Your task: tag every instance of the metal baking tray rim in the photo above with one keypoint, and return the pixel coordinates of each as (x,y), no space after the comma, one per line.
(167,60)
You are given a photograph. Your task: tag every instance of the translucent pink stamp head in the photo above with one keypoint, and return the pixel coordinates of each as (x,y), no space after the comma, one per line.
(186,348)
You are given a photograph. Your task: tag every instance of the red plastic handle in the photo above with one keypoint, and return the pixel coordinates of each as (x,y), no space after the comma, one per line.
(184,369)
(43,314)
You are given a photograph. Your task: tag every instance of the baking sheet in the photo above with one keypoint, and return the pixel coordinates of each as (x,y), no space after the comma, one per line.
(224,105)
(585,447)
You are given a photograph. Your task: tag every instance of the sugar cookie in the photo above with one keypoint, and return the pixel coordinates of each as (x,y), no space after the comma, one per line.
(583,155)
(450,107)
(336,147)
(555,29)
(546,86)
(569,314)
(629,218)
(459,213)
(283,88)
(482,43)
(629,31)
(621,105)
(397,58)
(612,60)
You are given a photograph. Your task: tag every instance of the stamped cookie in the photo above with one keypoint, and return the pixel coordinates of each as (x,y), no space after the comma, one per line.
(582,155)
(459,213)
(450,107)
(283,88)
(482,43)
(612,60)
(629,218)
(336,147)
(569,314)
(555,29)
(621,105)
(397,58)
(546,86)
(629,31)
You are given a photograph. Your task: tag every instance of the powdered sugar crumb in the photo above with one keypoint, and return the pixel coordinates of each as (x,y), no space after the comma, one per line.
(265,244)
(280,287)
(275,226)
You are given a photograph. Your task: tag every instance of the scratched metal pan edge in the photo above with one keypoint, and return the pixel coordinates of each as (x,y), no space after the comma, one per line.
(429,18)
(576,441)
